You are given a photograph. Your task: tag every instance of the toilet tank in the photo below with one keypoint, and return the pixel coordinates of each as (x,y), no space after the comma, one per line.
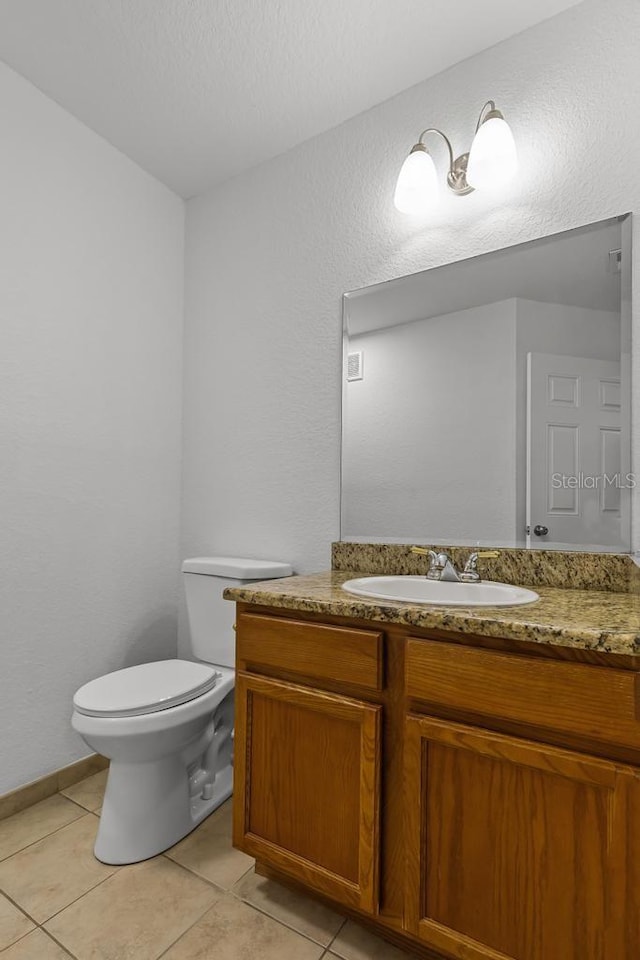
(210,617)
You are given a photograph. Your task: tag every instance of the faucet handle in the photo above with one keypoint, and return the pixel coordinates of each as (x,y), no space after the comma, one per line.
(470,573)
(436,563)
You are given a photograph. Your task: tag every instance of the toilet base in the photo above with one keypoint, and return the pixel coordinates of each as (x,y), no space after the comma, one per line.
(147,809)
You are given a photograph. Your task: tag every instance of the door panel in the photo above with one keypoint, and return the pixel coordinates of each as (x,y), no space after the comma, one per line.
(520,847)
(575,484)
(307,799)
(291,745)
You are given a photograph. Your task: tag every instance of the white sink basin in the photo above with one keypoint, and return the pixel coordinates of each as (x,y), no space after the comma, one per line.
(441,593)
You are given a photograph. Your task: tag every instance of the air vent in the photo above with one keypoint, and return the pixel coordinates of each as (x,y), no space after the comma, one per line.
(615,261)
(354,366)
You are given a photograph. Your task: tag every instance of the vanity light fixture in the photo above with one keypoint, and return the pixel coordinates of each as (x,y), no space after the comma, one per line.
(491,163)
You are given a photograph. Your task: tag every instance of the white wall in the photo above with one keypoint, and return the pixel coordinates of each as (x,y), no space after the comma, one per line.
(270,253)
(91,259)
(430,431)
(566,330)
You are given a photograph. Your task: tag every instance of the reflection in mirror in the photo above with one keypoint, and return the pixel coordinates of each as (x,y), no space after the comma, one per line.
(488,401)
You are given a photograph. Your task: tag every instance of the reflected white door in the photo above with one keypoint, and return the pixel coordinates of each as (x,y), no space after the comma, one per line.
(574,487)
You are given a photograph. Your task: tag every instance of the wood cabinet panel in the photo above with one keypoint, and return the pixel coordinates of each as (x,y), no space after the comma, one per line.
(313,650)
(498,847)
(308,785)
(595,702)
(516,850)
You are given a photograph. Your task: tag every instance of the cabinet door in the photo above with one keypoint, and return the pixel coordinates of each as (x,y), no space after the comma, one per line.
(515,850)
(307,794)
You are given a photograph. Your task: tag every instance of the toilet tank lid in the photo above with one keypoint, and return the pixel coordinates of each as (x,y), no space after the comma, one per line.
(237,568)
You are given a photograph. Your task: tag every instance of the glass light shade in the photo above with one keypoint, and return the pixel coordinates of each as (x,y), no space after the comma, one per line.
(417,186)
(493,160)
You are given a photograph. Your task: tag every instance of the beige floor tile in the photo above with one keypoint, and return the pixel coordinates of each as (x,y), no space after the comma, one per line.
(13,923)
(305,915)
(35,822)
(89,792)
(221,820)
(135,914)
(35,946)
(235,931)
(355,943)
(208,851)
(53,872)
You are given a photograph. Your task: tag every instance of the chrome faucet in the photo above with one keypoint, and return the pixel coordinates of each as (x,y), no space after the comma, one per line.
(441,567)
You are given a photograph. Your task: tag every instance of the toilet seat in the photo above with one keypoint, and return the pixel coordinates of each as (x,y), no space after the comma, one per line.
(147,688)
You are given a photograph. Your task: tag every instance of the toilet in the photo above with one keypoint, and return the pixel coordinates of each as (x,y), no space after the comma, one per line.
(167,727)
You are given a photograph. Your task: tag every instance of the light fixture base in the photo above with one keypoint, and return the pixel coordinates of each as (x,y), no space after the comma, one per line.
(457,176)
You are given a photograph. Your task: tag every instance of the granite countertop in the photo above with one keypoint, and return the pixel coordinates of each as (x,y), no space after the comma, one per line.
(582,619)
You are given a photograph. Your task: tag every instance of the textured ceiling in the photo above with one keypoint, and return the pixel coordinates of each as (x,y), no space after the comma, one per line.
(196,91)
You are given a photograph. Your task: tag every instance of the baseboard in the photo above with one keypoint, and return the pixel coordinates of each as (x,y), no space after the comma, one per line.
(30,793)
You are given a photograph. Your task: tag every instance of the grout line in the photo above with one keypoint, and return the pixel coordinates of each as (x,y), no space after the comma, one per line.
(185,932)
(220,890)
(189,870)
(62,909)
(245,874)
(46,835)
(90,890)
(2,949)
(46,934)
(253,906)
(56,941)
(283,923)
(337,933)
(117,869)
(21,909)
(78,803)
(74,802)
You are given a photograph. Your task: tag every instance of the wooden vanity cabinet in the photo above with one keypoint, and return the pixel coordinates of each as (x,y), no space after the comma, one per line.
(470,803)
(308,761)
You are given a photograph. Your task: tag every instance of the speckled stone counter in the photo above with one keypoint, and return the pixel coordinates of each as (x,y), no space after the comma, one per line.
(595,620)
(614,572)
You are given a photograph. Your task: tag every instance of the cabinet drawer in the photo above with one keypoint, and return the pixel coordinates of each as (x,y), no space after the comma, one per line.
(318,651)
(599,703)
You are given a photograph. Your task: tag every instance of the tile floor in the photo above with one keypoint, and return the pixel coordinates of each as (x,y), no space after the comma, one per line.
(201,900)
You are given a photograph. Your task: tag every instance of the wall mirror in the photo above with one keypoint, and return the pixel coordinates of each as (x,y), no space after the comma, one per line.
(488,401)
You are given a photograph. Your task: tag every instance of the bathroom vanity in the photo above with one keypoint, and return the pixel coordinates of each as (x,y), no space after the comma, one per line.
(467,782)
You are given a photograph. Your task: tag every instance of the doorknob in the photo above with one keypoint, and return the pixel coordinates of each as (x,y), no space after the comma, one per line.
(540,531)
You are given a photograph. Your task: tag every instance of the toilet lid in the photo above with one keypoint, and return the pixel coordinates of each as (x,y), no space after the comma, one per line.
(147,688)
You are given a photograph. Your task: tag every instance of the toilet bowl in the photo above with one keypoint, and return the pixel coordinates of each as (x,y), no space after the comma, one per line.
(167,726)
